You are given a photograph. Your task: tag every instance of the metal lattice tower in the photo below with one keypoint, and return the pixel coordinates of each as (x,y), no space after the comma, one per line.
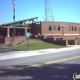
(48,11)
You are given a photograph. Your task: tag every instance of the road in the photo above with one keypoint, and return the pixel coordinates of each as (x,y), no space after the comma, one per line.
(4,50)
(56,66)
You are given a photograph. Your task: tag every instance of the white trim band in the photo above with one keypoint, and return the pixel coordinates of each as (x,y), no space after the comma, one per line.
(62,34)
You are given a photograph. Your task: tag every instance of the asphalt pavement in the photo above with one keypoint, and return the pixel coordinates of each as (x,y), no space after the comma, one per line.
(6,50)
(47,64)
(37,59)
(21,54)
(57,71)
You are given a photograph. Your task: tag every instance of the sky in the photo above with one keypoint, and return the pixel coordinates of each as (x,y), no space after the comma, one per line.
(63,10)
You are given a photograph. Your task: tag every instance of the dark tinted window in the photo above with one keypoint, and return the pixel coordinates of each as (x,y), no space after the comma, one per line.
(50,28)
(72,28)
(58,28)
(75,28)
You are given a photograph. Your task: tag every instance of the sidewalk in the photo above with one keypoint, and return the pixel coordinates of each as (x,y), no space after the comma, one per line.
(20,54)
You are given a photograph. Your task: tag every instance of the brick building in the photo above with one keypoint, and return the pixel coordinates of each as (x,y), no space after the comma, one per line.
(62,33)
(57,32)
(15,31)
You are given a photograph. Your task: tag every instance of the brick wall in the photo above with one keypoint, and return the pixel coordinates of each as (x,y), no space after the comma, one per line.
(58,41)
(34,29)
(8,39)
(45,30)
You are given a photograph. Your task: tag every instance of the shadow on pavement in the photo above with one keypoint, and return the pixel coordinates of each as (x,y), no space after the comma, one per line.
(57,71)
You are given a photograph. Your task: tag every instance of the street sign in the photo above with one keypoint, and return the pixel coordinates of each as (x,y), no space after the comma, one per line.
(28,34)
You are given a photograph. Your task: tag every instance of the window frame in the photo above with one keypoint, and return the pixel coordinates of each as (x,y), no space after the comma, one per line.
(70,28)
(75,28)
(59,28)
(50,28)
(54,28)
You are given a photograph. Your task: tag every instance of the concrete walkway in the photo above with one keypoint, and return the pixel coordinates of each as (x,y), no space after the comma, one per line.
(20,54)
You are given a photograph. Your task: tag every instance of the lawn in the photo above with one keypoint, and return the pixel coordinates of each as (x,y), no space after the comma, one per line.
(38,45)
(78,41)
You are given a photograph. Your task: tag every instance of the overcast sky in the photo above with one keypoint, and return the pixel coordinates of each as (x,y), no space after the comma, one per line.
(63,10)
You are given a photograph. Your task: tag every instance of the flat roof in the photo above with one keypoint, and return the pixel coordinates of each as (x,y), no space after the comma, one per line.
(59,22)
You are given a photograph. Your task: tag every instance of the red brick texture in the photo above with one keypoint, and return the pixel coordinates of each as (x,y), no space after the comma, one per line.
(69,37)
(58,41)
(8,39)
(53,36)
(45,25)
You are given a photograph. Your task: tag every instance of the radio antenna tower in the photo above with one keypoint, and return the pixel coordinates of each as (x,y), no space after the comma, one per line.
(48,11)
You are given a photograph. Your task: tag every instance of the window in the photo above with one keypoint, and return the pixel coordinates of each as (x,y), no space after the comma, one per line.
(75,28)
(72,28)
(69,28)
(58,28)
(50,28)
(54,27)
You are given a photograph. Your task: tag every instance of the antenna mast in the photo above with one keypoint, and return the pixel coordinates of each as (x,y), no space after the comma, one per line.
(48,11)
